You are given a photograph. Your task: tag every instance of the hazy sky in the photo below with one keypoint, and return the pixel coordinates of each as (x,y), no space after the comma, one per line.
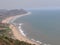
(11,4)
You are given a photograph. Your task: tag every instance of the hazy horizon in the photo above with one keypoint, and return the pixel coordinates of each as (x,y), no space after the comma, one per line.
(28,4)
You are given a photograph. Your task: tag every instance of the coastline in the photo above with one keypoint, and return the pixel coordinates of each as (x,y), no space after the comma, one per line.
(18,34)
(12,18)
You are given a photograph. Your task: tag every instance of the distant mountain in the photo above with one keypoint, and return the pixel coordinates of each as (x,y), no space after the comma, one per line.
(3,10)
(12,12)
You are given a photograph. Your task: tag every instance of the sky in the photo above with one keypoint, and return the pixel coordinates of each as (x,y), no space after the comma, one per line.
(17,4)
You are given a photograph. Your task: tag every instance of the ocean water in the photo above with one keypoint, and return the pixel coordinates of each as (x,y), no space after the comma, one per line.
(42,25)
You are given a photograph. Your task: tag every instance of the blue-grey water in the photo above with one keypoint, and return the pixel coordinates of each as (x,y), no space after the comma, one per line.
(42,25)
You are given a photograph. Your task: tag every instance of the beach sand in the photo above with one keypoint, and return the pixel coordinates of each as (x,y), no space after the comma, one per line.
(17,34)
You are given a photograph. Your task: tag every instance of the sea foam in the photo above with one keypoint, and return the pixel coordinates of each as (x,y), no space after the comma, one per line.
(22,32)
(20,29)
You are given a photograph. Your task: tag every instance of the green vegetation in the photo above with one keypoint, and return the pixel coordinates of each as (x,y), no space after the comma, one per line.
(7,38)
(0,18)
(4,40)
(5,30)
(4,25)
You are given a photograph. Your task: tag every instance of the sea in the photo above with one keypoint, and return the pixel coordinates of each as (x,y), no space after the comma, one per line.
(42,25)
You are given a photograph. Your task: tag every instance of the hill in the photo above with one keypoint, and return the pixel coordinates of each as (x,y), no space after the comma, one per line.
(6,13)
(7,38)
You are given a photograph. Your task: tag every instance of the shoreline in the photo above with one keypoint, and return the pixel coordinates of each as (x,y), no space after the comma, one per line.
(18,16)
(20,29)
(12,18)
(16,32)
(22,32)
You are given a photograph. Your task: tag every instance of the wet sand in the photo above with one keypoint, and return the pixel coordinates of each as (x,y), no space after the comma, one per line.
(16,32)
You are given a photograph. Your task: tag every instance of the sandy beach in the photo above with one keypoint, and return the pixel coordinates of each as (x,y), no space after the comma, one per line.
(16,32)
